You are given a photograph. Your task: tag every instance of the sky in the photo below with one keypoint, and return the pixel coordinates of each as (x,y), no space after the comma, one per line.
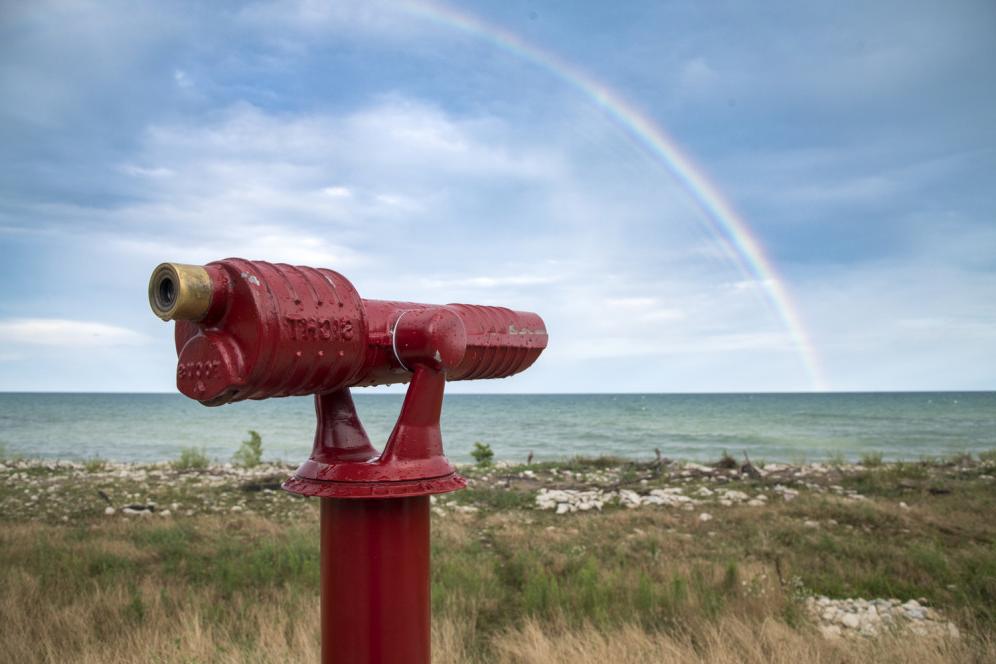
(696,197)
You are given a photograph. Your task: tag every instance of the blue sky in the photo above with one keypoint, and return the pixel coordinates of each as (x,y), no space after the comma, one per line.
(857,140)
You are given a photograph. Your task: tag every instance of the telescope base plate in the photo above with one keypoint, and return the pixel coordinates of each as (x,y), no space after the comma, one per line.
(400,489)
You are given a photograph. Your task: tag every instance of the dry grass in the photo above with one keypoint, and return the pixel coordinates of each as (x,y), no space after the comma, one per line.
(183,626)
(728,641)
(513,585)
(152,623)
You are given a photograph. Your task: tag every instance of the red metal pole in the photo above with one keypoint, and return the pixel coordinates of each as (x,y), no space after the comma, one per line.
(375,580)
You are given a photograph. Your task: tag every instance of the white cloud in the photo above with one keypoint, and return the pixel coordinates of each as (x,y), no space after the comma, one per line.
(490,282)
(314,17)
(182,79)
(141,171)
(697,77)
(66,333)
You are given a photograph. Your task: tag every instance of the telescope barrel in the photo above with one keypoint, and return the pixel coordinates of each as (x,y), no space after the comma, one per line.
(254,330)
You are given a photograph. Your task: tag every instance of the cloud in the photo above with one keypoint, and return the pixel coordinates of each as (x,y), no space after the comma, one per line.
(697,77)
(490,282)
(67,333)
(337,134)
(383,18)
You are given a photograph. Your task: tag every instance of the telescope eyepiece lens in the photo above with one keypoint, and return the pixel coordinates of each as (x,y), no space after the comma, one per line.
(180,292)
(166,295)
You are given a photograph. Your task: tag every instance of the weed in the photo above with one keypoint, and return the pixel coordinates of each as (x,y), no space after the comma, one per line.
(988,456)
(871,459)
(958,459)
(95,464)
(483,454)
(837,459)
(4,456)
(250,453)
(726,461)
(191,458)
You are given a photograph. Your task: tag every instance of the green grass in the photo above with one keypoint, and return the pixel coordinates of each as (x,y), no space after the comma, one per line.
(493,499)
(95,464)
(250,452)
(871,459)
(837,459)
(191,458)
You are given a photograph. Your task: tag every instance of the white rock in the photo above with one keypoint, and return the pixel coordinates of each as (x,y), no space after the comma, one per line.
(850,620)
(109,510)
(904,506)
(811,524)
(563,508)
(705,516)
(830,631)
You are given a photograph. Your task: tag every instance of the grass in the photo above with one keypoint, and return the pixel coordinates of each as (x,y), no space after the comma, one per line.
(837,459)
(512,584)
(250,452)
(95,465)
(191,458)
(871,459)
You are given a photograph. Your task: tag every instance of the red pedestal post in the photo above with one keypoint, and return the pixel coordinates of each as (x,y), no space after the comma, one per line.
(375,580)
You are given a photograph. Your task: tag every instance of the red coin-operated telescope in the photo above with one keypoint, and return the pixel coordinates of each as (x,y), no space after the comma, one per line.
(254,330)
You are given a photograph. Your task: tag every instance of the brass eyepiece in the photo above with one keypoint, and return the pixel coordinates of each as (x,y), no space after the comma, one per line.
(180,292)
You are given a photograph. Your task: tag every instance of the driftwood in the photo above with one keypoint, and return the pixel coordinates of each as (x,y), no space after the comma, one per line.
(750,469)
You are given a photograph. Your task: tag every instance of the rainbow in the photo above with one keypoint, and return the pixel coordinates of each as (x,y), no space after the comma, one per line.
(722,220)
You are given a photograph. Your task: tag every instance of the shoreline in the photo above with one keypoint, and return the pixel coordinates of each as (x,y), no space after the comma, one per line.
(571,485)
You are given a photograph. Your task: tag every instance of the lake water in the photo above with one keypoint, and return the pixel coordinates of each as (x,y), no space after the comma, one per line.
(773,427)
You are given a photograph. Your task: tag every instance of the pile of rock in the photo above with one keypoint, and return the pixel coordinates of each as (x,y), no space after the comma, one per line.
(565,501)
(570,500)
(670,497)
(838,618)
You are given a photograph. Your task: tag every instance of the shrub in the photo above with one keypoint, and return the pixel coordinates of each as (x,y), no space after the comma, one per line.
(988,456)
(483,454)
(95,464)
(4,456)
(837,459)
(726,461)
(871,459)
(250,453)
(191,458)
